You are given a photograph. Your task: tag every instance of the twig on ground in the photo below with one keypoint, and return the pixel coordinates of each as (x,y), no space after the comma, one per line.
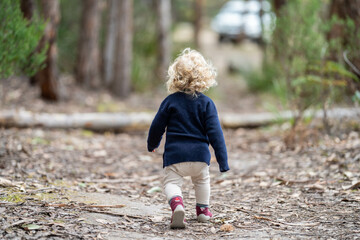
(85,206)
(115,214)
(303,224)
(120,180)
(18,223)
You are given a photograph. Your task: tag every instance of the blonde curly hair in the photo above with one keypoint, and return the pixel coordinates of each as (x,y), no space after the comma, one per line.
(190,73)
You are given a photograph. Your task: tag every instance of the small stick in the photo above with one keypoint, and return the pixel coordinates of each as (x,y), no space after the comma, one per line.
(18,223)
(86,206)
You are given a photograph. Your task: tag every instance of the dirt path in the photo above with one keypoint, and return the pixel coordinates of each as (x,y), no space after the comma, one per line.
(270,192)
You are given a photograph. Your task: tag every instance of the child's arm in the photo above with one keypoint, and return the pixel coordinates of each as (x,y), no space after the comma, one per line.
(216,136)
(157,128)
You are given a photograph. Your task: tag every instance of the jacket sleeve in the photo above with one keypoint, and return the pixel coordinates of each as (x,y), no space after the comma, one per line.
(157,127)
(216,136)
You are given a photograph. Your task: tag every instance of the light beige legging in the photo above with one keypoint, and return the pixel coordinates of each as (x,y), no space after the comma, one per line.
(199,172)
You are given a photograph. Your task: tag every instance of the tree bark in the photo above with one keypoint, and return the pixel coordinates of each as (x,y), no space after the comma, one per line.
(278,4)
(110,44)
(198,21)
(47,77)
(344,9)
(163,24)
(87,69)
(27,8)
(121,85)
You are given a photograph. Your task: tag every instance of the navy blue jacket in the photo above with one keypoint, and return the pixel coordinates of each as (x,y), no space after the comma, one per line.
(191,123)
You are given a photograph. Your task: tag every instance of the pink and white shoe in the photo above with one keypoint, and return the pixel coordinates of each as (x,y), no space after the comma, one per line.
(203,214)
(178,213)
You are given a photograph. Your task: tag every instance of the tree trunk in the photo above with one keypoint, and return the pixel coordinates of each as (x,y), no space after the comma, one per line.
(87,69)
(47,77)
(278,4)
(198,21)
(163,24)
(344,9)
(27,8)
(121,85)
(110,44)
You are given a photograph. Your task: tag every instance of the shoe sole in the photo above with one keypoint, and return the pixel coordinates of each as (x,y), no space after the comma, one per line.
(203,218)
(178,217)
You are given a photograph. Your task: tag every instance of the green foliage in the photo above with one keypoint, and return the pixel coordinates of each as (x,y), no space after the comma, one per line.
(356,97)
(305,76)
(19,39)
(261,81)
(13,198)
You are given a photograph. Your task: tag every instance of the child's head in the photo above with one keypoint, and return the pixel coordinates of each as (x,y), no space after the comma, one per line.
(190,73)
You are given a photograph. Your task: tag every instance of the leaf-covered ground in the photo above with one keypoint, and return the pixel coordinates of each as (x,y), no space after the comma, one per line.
(56,178)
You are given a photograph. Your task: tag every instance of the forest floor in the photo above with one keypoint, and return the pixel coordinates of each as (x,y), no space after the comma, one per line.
(79,184)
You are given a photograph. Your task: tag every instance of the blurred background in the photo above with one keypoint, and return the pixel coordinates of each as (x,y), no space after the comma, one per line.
(110,55)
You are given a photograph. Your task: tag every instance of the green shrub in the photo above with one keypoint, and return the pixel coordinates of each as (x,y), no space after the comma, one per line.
(19,39)
(306,77)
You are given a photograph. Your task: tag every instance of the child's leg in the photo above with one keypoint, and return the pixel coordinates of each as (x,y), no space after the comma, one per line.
(172,188)
(201,182)
(172,183)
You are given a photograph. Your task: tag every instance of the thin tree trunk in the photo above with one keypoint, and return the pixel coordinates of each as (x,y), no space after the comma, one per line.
(344,9)
(278,4)
(47,77)
(121,85)
(198,21)
(110,44)
(163,24)
(87,69)
(27,8)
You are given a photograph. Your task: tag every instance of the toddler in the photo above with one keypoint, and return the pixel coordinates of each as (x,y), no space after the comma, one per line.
(191,123)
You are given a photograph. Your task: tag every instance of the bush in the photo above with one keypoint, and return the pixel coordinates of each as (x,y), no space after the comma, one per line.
(19,39)
(306,76)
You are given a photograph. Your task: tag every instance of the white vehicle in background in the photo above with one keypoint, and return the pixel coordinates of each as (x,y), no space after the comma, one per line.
(239,19)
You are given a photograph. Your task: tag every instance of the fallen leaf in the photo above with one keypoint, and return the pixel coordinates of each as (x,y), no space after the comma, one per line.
(102,221)
(31,227)
(100,153)
(227,227)
(157,219)
(154,189)
(315,187)
(355,185)
(6,183)
(264,184)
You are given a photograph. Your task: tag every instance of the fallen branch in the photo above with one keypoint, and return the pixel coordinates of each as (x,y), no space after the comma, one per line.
(84,206)
(18,223)
(120,180)
(262,119)
(302,224)
(93,121)
(142,120)
(116,214)
(42,190)
(290,182)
